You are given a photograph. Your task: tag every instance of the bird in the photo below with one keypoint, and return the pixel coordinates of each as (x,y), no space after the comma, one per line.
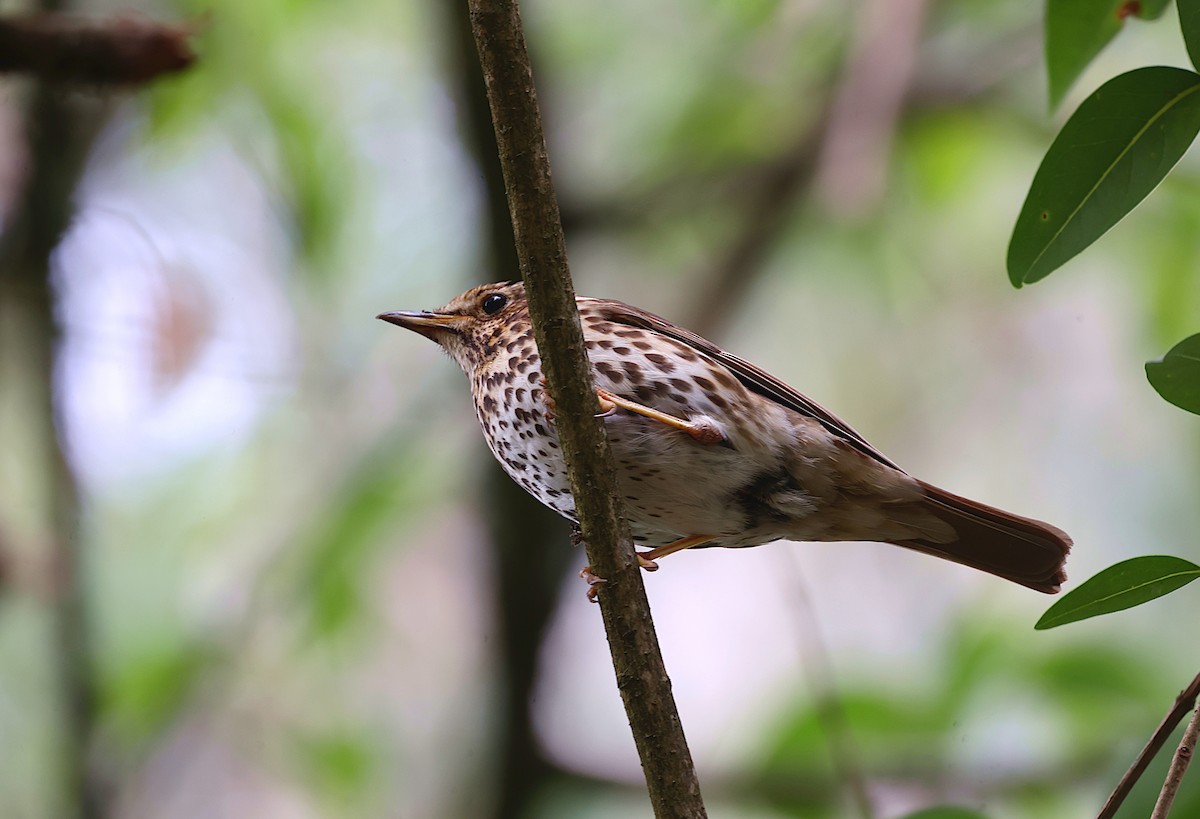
(711,450)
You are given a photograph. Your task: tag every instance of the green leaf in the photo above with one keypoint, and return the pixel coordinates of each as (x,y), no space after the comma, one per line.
(1078,30)
(1189,21)
(945,813)
(1177,376)
(1124,585)
(1111,153)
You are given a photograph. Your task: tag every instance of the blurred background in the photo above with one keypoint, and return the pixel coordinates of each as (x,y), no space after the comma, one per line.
(265,566)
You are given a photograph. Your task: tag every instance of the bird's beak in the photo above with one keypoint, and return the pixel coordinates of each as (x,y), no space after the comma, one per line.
(423,321)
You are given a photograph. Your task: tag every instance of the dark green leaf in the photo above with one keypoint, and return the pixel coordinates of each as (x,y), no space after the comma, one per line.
(1078,30)
(1127,584)
(1177,376)
(945,813)
(1111,153)
(1073,39)
(1189,21)
(1148,9)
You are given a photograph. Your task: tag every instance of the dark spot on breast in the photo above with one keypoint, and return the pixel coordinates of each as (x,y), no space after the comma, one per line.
(643,345)
(489,403)
(630,332)
(716,400)
(622,350)
(644,392)
(520,393)
(704,383)
(606,343)
(662,362)
(632,370)
(610,372)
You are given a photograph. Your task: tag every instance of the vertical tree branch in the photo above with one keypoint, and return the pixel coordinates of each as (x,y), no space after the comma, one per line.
(1179,766)
(527,539)
(641,675)
(58,134)
(1183,704)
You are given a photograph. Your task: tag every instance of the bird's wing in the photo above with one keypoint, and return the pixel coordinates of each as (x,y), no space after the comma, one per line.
(753,378)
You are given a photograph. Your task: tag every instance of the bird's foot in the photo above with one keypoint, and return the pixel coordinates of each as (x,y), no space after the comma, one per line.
(702,429)
(594,582)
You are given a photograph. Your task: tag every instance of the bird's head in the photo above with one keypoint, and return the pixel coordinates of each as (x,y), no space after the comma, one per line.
(473,326)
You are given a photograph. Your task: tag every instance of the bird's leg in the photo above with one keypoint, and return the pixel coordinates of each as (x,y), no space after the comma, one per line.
(703,430)
(645,560)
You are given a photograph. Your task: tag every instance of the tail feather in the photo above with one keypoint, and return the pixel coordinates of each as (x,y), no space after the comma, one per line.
(1019,549)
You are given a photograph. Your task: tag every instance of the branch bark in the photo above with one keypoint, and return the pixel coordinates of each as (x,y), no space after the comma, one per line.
(1183,704)
(637,660)
(526,538)
(1179,766)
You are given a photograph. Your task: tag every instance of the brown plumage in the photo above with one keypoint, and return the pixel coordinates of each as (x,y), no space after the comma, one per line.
(712,450)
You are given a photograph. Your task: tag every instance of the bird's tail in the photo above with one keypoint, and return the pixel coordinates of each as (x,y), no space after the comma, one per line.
(1022,550)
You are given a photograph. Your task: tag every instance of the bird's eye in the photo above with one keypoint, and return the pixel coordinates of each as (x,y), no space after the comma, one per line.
(494,303)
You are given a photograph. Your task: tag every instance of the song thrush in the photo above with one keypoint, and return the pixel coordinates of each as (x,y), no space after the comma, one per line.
(710,449)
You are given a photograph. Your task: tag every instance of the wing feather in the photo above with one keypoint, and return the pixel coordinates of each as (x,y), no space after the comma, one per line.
(754,378)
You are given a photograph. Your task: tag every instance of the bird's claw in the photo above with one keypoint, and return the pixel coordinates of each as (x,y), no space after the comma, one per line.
(648,565)
(607,407)
(594,583)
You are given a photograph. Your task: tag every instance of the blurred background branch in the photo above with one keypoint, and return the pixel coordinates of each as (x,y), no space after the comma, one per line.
(61,48)
(59,129)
